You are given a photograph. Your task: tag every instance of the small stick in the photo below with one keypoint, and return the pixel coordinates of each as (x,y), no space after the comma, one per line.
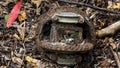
(88,5)
(109,30)
(116,57)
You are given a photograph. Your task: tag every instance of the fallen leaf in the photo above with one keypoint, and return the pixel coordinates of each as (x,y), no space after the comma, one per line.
(118,46)
(21,30)
(17,60)
(111,40)
(106,40)
(1,10)
(37,2)
(22,16)
(16,36)
(30,59)
(14,13)
(6,17)
(114,46)
(104,63)
(3,66)
(114,6)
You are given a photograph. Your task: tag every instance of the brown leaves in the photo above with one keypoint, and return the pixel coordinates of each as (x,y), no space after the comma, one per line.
(35,63)
(111,42)
(17,60)
(31,61)
(113,45)
(21,30)
(37,2)
(114,6)
(22,16)
(16,36)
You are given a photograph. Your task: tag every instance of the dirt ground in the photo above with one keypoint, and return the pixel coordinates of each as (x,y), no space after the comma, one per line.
(18,46)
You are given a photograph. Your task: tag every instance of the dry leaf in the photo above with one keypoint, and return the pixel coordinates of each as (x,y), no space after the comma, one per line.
(16,36)
(30,59)
(114,6)
(113,45)
(22,16)
(111,40)
(106,40)
(3,66)
(37,2)
(27,40)
(14,13)
(1,10)
(34,62)
(17,60)
(21,30)
(104,63)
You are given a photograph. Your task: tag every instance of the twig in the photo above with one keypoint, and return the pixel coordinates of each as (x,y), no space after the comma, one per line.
(109,30)
(24,51)
(116,57)
(91,6)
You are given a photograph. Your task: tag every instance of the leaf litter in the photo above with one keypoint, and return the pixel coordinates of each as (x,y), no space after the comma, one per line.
(17,43)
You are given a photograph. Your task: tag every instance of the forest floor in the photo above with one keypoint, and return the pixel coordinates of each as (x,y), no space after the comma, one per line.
(18,46)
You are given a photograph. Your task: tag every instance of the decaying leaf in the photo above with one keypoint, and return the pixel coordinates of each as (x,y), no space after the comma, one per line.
(16,36)
(34,62)
(104,63)
(3,66)
(27,40)
(106,40)
(5,2)
(17,60)
(37,2)
(114,6)
(31,61)
(21,30)
(1,10)
(114,46)
(22,16)
(111,40)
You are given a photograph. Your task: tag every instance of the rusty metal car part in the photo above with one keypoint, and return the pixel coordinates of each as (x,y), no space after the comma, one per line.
(63,31)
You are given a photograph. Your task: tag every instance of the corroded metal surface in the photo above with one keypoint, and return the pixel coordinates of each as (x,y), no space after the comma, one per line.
(64,37)
(68,17)
(59,46)
(66,48)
